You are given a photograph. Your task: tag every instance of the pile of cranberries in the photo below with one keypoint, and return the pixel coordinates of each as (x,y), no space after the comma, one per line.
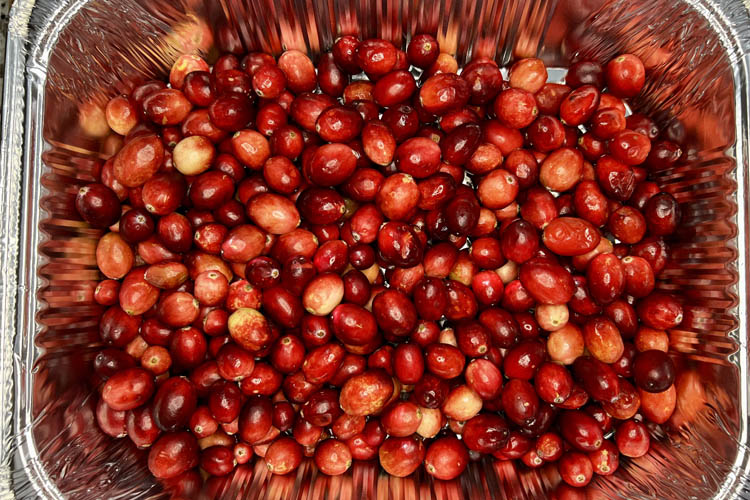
(348,262)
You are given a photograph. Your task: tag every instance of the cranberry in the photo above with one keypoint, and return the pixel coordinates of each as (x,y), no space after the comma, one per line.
(401,419)
(528,74)
(576,469)
(486,433)
(520,401)
(128,389)
(605,460)
(598,378)
(516,108)
(663,155)
(606,278)
(446,458)
(398,197)
(662,214)
(353,324)
(484,377)
(408,363)
(444,360)
(403,121)
(418,157)
(307,434)
(399,245)
(445,63)
(444,92)
(231,112)
(366,394)
(546,134)
(523,360)
(547,282)
(630,148)
(585,73)
(173,454)
(625,75)
(632,439)
(579,106)
(358,91)
(98,205)
(263,379)
(322,363)
(394,88)
(115,422)
(333,457)
(603,339)
(516,446)
(606,123)
(283,456)
(485,82)
(570,236)
(299,71)
(660,311)
(553,383)
(174,403)
(321,408)
(539,207)
(658,407)
(141,427)
(375,56)
(430,391)
(255,419)
(217,460)
(331,77)
(627,224)
(550,96)
(653,371)
(401,456)
(198,89)
(423,50)
(107,292)
(581,430)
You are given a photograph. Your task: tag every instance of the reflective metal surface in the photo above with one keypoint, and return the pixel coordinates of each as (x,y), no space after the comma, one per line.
(65,56)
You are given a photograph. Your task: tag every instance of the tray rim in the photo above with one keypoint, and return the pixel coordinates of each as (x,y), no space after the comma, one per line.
(27,50)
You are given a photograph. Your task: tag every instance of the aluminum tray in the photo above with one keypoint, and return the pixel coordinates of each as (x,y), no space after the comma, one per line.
(63,55)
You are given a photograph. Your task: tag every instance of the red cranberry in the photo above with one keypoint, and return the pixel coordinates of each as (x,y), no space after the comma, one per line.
(446,458)
(632,439)
(625,75)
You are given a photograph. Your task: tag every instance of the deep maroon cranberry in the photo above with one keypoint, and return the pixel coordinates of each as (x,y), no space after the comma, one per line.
(98,205)
(486,433)
(653,371)
(523,360)
(398,244)
(361,256)
(136,225)
(402,120)
(430,391)
(599,379)
(461,214)
(520,401)
(231,112)
(321,205)
(585,73)
(519,241)
(546,134)
(263,272)
(662,214)
(501,325)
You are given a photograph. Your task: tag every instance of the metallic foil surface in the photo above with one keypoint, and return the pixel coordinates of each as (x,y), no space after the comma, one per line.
(65,58)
